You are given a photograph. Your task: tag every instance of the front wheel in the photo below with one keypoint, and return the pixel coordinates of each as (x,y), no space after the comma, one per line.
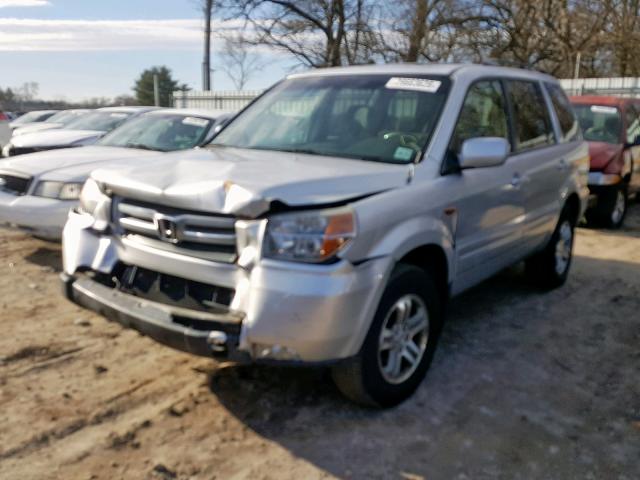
(550,268)
(399,346)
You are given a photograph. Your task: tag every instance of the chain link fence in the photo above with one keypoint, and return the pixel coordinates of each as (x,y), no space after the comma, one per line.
(234,100)
(231,100)
(618,87)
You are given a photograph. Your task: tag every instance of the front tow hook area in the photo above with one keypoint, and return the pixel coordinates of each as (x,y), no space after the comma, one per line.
(200,333)
(217,341)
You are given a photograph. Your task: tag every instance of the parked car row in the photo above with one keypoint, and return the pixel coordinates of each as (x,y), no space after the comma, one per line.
(331,220)
(37,190)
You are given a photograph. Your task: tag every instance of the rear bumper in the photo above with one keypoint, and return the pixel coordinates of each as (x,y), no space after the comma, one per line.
(43,217)
(158,321)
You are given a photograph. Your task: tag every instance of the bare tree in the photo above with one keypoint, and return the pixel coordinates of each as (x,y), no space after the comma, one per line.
(544,34)
(318,33)
(239,62)
(622,37)
(425,30)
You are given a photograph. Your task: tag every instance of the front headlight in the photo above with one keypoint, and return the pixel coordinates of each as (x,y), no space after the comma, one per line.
(6,150)
(312,236)
(58,190)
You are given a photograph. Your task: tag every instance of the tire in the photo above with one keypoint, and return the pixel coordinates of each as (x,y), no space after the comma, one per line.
(549,269)
(370,378)
(611,208)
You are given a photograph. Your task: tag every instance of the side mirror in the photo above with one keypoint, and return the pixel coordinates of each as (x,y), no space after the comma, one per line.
(483,152)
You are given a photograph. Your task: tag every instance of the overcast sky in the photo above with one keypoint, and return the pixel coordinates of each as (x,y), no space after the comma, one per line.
(76,49)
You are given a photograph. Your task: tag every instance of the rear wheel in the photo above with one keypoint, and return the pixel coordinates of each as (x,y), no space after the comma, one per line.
(399,346)
(611,208)
(550,268)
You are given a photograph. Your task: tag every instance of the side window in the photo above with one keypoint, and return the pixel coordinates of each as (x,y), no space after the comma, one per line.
(566,117)
(633,123)
(483,114)
(531,118)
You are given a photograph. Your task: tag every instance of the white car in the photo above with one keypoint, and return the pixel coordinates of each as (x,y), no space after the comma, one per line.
(35,116)
(57,120)
(82,131)
(37,190)
(5,130)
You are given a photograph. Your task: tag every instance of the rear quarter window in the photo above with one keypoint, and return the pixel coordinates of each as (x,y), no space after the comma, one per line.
(531,119)
(567,119)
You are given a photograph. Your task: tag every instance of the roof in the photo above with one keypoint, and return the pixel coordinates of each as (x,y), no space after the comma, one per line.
(126,109)
(193,112)
(437,69)
(42,111)
(602,100)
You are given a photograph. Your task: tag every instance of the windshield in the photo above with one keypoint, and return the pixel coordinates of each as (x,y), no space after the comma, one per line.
(32,117)
(64,118)
(100,121)
(160,132)
(370,117)
(600,123)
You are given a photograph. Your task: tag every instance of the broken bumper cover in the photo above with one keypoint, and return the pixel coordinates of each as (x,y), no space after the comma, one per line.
(158,321)
(291,313)
(40,216)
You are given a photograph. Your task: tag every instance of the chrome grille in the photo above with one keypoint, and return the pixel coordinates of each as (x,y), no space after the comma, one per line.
(14,184)
(211,237)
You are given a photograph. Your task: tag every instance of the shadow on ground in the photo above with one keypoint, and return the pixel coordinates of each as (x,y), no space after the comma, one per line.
(46,257)
(524,384)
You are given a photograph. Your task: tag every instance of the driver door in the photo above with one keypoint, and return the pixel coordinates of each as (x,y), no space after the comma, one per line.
(488,201)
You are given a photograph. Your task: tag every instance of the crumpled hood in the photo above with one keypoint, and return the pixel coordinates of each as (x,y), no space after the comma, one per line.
(54,138)
(602,153)
(71,162)
(35,127)
(245,182)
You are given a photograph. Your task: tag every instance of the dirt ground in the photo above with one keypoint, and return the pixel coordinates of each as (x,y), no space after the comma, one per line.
(523,385)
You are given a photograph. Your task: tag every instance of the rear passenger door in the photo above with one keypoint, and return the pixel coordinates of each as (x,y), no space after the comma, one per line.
(542,167)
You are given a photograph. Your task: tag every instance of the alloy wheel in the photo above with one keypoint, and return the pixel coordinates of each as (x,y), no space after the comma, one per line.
(403,338)
(563,247)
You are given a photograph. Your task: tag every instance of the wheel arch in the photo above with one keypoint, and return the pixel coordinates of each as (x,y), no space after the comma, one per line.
(572,207)
(433,259)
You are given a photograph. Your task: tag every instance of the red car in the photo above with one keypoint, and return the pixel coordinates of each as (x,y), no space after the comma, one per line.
(611,125)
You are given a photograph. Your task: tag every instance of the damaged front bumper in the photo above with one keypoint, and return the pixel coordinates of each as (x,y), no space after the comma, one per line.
(279,311)
(159,321)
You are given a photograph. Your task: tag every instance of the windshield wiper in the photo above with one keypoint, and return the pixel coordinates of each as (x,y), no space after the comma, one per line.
(142,146)
(308,151)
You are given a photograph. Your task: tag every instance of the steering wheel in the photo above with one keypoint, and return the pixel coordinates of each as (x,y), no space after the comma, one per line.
(406,140)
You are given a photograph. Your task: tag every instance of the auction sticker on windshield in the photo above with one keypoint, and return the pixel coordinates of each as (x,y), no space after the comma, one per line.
(403,153)
(603,109)
(417,84)
(195,122)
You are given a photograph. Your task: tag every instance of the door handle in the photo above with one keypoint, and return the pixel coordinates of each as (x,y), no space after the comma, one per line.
(562,164)
(516,181)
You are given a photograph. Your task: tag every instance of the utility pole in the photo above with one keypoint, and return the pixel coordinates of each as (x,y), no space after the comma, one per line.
(156,90)
(207,8)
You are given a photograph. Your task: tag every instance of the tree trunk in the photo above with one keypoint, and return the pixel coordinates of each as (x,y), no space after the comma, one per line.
(418,31)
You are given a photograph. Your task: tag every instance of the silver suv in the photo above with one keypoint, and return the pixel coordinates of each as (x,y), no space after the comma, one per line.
(330,221)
